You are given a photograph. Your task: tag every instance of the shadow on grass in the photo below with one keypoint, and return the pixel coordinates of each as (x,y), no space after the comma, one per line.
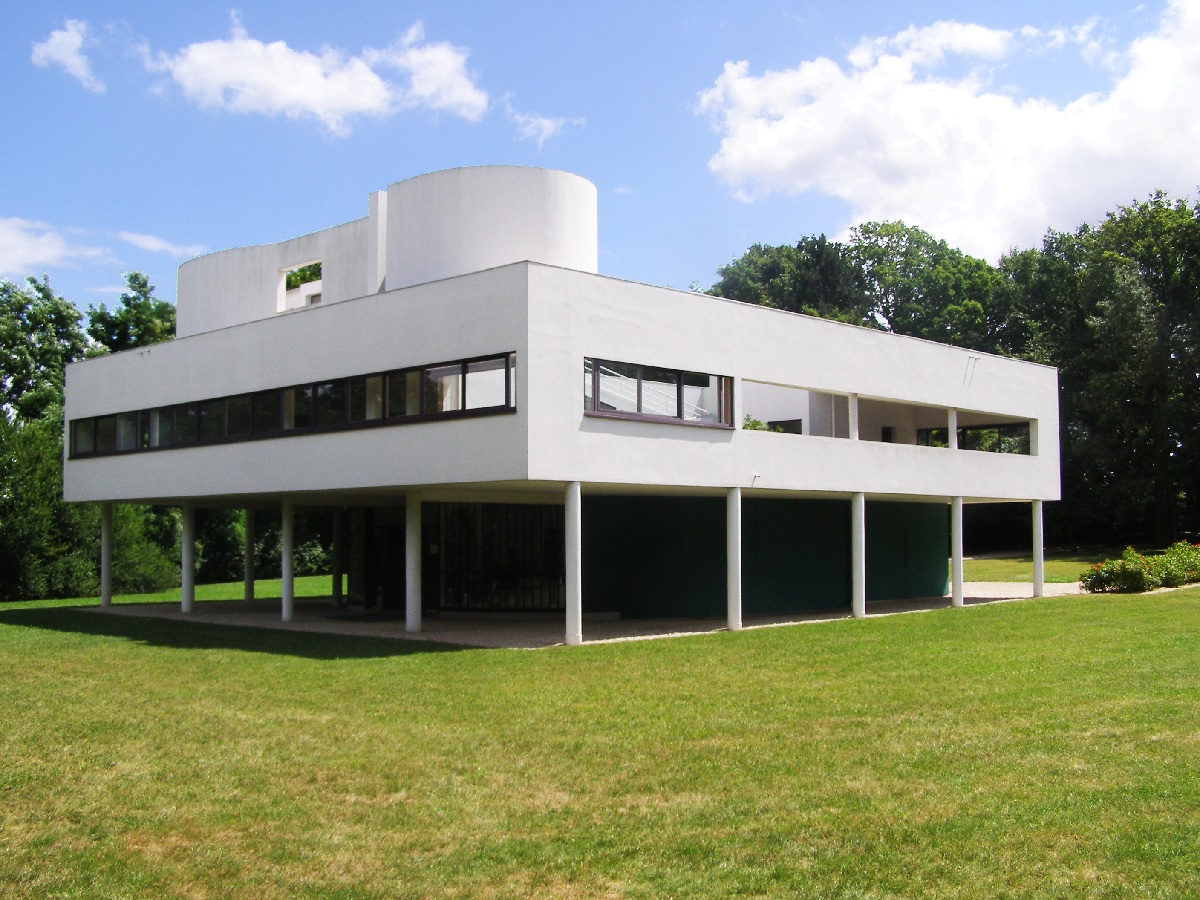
(204,636)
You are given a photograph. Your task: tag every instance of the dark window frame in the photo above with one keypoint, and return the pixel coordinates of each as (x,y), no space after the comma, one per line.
(508,407)
(725,399)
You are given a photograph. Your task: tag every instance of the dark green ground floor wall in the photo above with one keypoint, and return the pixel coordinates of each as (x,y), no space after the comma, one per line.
(908,550)
(646,557)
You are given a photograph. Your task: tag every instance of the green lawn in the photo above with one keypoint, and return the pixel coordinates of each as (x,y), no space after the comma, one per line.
(1062,567)
(1045,747)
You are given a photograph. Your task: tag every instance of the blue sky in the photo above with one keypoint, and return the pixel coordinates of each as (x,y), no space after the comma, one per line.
(140,134)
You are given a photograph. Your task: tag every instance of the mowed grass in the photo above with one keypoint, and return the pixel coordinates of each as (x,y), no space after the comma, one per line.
(1063,567)
(1036,748)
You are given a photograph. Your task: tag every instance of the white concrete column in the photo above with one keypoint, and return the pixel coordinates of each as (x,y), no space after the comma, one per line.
(956,551)
(952,429)
(853,417)
(106,528)
(248,554)
(106,553)
(287,541)
(733,559)
(412,563)
(574,561)
(1039,552)
(858,555)
(338,555)
(187,563)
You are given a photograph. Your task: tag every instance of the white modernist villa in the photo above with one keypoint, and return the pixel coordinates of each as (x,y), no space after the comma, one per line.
(495,426)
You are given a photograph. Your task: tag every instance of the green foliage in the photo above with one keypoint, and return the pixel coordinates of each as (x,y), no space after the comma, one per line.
(47,548)
(920,286)
(749,423)
(816,277)
(141,319)
(1134,572)
(39,335)
(303,275)
(140,563)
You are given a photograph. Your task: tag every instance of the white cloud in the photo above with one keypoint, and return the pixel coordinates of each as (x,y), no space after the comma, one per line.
(978,166)
(532,127)
(243,74)
(29,248)
(437,75)
(158,245)
(64,48)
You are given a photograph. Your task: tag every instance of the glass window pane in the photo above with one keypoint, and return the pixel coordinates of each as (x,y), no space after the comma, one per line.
(399,388)
(266,412)
(588,369)
(126,432)
(366,398)
(512,380)
(162,427)
(660,395)
(185,423)
(84,436)
(412,393)
(701,397)
(485,383)
(211,414)
(106,434)
(144,418)
(443,389)
(238,418)
(298,407)
(330,400)
(618,386)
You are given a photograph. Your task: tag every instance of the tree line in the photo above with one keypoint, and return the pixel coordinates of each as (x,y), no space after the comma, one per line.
(1114,306)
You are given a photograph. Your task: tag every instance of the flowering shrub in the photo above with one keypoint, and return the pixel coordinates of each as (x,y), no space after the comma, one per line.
(1133,572)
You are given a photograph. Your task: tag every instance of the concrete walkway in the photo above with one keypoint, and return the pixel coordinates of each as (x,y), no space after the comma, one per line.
(524,630)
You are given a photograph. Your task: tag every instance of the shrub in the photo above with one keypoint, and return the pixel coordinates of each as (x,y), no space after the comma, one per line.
(1134,573)
(1180,564)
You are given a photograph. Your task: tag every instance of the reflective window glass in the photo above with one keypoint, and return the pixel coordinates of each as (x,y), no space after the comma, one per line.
(162,427)
(238,416)
(211,420)
(106,434)
(126,432)
(298,407)
(185,423)
(366,398)
(618,386)
(266,411)
(701,398)
(329,398)
(83,436)
(443,389)
(485,383)
(660,392)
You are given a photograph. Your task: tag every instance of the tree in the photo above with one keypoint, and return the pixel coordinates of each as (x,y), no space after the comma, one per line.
(39,335)
(920,286)
(47,548)
(1115,308)
(816,277)
(141,319)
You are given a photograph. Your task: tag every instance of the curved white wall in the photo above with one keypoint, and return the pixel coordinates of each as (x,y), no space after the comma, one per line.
(464,220)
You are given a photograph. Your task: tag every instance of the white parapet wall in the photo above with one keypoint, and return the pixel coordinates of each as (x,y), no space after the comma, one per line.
(466,220)
(423,229)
